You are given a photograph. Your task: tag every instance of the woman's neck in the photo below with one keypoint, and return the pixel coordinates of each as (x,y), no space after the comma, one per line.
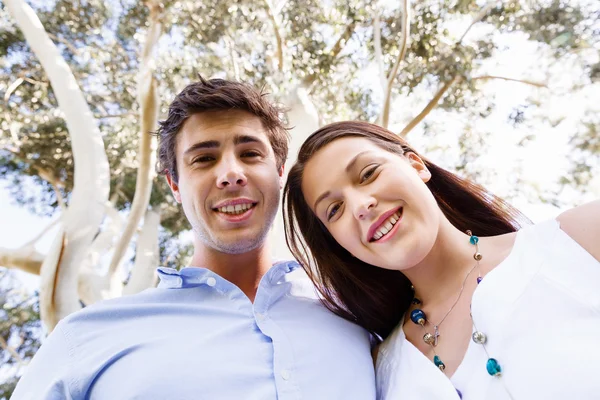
(440,274)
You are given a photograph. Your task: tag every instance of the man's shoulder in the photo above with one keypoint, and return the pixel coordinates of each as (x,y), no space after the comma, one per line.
(108,310)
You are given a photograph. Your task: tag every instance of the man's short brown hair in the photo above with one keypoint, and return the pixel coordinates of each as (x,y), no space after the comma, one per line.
(219,95)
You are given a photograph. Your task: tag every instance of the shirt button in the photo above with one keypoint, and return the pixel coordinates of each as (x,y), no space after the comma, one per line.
(211,281)
(260,317)
(285,374)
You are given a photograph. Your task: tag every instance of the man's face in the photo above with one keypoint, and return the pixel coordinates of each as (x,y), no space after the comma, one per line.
(229,184)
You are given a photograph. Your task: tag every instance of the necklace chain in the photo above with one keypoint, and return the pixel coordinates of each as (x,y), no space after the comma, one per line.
(462,288)
(432,339)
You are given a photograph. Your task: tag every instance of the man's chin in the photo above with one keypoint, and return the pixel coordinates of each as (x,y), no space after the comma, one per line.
(240,244)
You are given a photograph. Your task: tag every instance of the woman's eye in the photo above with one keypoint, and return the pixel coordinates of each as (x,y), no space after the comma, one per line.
(333,211)
(368,173)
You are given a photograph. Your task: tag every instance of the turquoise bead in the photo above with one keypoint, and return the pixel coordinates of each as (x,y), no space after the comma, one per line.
(474,239)
(439,363)
(493,367)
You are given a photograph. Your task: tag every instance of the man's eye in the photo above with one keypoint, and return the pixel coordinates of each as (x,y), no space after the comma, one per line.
(251,153)
(334,210)
(203,159)
(368,173)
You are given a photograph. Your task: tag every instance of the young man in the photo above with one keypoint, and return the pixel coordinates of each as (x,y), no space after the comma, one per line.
(233,325)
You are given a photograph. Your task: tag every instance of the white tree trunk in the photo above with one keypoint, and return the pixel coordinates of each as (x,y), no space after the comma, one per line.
(303,116)
(82,219)
(149,105)
(50,311)
(143,274)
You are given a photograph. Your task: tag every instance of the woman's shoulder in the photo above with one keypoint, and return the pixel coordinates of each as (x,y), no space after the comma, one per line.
(582,224)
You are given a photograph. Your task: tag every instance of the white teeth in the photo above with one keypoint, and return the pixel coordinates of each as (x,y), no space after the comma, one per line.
(386,226)
(236,209)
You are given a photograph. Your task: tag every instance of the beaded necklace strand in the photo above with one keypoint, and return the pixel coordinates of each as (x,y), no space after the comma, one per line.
(418,317)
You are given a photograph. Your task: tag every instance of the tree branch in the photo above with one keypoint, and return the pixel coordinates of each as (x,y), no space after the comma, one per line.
(385,115)
(65,42)
(149,105)
(482,13)
(143,273)
(334,52)
(279,40)
(42,233)
(378,51)
(24,258)
(12,352)
(234,64)
(525,81)
(343,39)
(430,106)
(12,88)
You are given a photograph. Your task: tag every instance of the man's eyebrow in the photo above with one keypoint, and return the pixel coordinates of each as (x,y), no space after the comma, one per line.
(208,144)
(242,139)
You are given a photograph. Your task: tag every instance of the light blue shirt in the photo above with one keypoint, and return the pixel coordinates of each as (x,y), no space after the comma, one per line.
(197,336)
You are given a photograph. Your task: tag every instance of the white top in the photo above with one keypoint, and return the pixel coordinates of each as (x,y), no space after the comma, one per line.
(540,310)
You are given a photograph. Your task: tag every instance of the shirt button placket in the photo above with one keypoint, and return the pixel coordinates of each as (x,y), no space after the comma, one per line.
(260,317)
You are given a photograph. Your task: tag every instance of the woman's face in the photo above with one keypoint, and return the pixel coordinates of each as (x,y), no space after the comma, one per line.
(373,202)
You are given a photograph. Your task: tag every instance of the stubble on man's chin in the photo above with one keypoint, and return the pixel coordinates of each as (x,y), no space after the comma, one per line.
(233,247)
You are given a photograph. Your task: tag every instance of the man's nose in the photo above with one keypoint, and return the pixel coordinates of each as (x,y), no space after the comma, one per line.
(231,174)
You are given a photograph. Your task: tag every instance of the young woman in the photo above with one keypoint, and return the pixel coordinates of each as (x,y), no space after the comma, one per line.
(470,300)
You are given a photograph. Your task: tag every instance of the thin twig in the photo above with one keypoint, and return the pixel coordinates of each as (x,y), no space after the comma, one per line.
(65,42)
(504,78)
(12,88)
(12,351)
(482,13)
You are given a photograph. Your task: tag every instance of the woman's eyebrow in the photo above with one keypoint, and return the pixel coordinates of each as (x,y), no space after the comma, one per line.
(352,162)
(320,198)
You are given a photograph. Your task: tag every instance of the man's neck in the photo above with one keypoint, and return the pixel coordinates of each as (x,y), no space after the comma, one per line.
(243,270)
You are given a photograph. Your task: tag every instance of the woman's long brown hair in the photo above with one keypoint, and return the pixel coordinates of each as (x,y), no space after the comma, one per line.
(377,298)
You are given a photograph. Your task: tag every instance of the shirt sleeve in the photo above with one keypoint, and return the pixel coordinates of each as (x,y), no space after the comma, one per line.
(47,376)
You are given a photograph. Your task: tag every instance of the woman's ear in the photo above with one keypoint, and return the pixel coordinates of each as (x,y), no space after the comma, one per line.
(419,165)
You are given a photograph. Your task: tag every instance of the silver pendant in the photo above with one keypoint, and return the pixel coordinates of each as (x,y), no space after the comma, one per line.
(479,337)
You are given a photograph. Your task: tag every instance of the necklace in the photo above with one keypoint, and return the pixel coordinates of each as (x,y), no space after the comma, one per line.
(418,317)
(432,339)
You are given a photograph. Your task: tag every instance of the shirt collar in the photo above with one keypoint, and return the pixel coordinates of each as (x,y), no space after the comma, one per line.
(170,278)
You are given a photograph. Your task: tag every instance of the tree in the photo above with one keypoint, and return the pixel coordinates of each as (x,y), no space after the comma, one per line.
(432,70)
(20,330)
